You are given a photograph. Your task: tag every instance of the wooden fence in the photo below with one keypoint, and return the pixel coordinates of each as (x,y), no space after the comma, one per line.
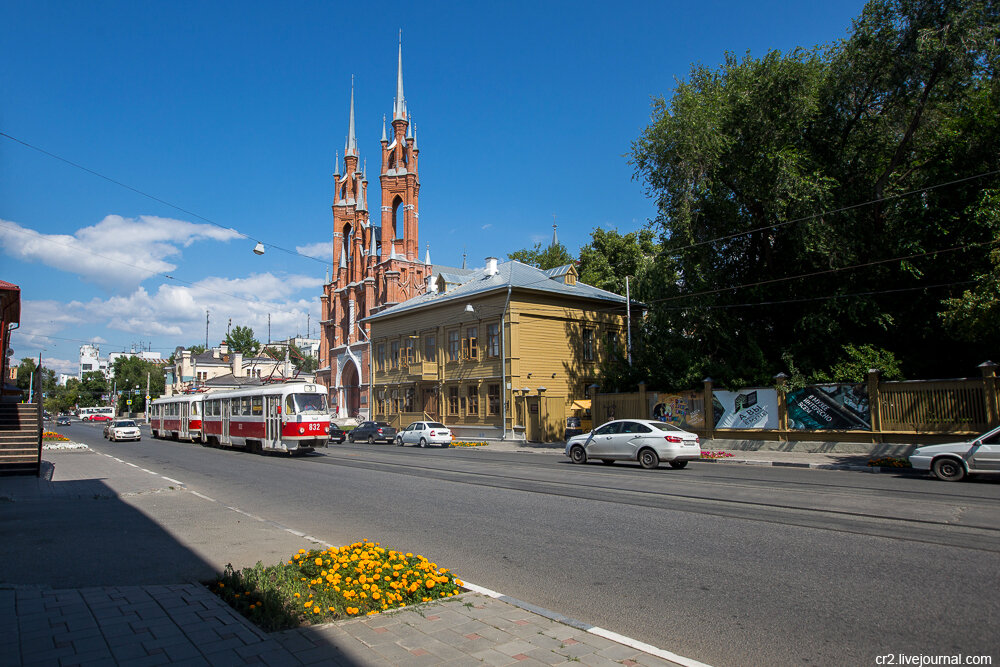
(921,411)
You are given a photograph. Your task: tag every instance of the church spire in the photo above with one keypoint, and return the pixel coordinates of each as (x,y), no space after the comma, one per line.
(399,112)
(352,141)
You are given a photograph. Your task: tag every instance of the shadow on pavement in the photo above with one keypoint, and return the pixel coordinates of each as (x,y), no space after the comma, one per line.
(88,576)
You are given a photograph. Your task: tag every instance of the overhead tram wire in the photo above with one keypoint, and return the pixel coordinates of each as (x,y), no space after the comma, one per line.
(157,199)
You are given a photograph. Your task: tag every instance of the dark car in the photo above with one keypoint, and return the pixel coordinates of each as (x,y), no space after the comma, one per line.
(337,434)
(372,432)
(62,421)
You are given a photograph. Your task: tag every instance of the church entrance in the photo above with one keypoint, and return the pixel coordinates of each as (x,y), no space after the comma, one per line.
(351,385)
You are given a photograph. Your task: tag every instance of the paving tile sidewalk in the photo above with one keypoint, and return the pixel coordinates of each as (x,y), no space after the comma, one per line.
(187,625)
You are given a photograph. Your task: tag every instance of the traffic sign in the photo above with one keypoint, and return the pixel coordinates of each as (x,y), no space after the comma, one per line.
(128,402)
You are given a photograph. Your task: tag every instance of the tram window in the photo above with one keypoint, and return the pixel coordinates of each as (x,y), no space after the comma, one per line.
(300,403)
(234,407)
(257,405)
(245,406)
(194,409)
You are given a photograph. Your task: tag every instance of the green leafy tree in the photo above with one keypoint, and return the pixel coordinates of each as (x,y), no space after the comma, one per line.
(93,388)
(543,258)
(26,369)
(65,398)
(241,339)
(131,377)
(782,184)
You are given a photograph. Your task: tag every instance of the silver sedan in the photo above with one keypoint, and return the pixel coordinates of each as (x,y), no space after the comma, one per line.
(642,440)
(953,461)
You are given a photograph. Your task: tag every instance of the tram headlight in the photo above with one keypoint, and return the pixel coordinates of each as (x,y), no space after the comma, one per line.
(326,429)
(302,430)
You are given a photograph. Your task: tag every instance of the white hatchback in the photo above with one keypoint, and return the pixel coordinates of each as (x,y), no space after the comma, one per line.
(951,462)
(425,433)
(642,440)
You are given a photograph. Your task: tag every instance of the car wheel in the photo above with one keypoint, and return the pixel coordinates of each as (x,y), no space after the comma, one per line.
(578,454)
(677,465)
(371,440)
(648,459)
(948,470)
(607,462)
(423,442)
(399,442)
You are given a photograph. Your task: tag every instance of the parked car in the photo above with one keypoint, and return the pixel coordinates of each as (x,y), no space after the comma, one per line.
(97,418)
(124,429)
(372,432)
(425,433)
(337,434)
(62,421)
(642,440)
(952,461)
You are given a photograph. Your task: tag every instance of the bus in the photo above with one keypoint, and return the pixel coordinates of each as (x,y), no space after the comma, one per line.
(177,417)
(291,417)
(88,414)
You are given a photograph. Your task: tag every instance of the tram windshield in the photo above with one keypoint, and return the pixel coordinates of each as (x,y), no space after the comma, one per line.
(302,403)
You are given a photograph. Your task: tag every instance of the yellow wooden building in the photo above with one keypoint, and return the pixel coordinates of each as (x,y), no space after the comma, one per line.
(508,351)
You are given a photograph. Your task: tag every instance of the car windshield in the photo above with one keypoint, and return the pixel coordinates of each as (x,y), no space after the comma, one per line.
(126,423)
(436,425)
(308,402)
(665,427)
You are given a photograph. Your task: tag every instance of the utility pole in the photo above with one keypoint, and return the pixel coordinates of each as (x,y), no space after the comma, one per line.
(628,323)
(269,328)
(206,329)
(145,401)
(229,326)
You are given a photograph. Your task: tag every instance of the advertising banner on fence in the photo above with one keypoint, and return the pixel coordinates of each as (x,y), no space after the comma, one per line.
(842,407)
(684,410)
(749,408)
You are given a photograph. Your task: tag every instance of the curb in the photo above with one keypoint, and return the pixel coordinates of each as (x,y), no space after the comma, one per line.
(820,466)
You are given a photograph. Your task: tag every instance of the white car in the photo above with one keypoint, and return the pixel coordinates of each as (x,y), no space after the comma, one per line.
(124,429)
(425,433)
(643,440)
(951,462)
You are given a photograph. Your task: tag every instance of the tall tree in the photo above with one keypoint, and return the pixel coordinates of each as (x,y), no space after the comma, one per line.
(829,196)
(241,339)
(543,258)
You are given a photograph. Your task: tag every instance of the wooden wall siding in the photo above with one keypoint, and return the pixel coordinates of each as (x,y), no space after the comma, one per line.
(606,407)
(956,405)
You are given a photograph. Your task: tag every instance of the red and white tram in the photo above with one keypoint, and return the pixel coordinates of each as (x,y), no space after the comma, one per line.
(177,417)
(291,417)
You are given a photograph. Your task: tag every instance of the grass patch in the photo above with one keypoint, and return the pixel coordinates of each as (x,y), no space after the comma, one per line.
(341,582)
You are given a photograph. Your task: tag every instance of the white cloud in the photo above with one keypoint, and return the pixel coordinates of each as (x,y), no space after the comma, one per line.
(117,252)
(321,250)
(487,226)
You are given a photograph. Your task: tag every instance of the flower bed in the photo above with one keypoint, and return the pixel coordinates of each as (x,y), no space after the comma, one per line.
(462,443)
(890,462)
(322,586)
(53,436)
(716,455)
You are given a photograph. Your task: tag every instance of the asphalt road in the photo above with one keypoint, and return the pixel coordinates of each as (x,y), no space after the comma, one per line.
(730,565)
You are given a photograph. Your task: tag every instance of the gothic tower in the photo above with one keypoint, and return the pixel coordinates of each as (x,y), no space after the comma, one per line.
(373,267)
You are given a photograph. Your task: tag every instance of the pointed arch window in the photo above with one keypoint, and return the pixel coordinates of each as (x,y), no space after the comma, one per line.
(347,231)
(398,226)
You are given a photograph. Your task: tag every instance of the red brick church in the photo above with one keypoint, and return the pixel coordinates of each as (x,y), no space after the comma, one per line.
(375,265)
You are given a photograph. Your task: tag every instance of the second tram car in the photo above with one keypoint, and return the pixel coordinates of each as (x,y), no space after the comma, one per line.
(177,417)
(290,417)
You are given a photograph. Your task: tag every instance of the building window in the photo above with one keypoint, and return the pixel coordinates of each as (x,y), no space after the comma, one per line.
(87,367)
(394,353)
(411,351)
(452,400)
(470,346)
(612,343)
(380,357)
(454,346)
(588,344)
(493,399)
(408,400)
(492,340)
(380,401)
(473,400)
(430,348)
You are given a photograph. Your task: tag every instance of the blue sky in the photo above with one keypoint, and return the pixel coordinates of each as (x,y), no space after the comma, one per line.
(233,111)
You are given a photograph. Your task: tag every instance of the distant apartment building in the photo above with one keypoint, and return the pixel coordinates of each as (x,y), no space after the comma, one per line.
(219,368)
(90,359)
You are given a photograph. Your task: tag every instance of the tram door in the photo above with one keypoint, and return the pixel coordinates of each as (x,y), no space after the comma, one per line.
(182,428)
(273,419)
(226,414)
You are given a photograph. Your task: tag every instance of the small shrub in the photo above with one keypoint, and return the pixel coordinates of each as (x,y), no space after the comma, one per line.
(462,443)
(716,455)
